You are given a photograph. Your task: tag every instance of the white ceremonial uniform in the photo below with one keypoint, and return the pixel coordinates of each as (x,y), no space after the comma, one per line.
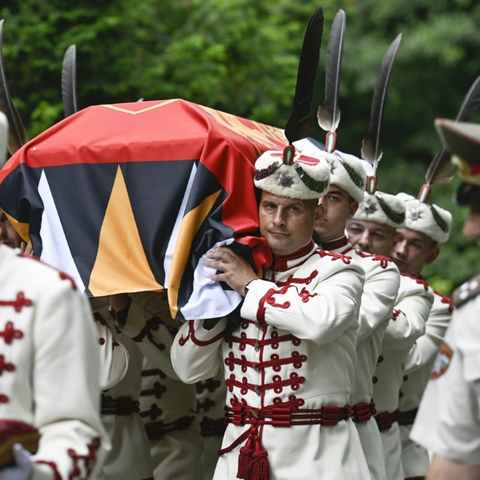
(113,355)
(129,458)
(382,280)
(167,405)
(211,395)
(49,367)
(448,419)
(415,459)
(289,366)
(412,307)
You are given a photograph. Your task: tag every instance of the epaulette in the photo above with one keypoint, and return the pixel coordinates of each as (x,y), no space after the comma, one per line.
(466,292)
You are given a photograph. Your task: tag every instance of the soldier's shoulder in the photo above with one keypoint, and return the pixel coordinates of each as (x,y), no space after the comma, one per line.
(37,271)
(443,299)
(414,280)
(466,292)
(333,262)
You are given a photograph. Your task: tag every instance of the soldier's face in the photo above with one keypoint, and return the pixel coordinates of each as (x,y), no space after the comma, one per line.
(338,209)
(371,237)
(412,251)
(8,235)
(286,223)
(471,227)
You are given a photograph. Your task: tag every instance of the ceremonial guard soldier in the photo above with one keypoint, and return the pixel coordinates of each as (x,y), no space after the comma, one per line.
(129,458)
(382,279)
(417,246)
(290,359)
(373,230)
(448,420)
(167,405)
(48,374)
(211,395)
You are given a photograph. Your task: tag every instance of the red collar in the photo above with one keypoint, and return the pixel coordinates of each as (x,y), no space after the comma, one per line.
(335,244)
(280,262)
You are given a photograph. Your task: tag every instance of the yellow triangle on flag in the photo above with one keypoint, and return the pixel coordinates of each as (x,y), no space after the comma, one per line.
(189,227)
(121,265)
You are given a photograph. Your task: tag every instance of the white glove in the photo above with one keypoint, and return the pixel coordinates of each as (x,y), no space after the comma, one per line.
(23,465)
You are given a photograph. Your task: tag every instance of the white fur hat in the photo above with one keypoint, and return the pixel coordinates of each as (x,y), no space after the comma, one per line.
(431,220)
(3,138)
(381,208)
(291,174)
(347,172)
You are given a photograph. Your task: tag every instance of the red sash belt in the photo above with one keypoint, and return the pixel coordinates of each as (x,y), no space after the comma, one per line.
(385,420)
(119,406)
(253,462)
(156,430)
(362,412)
(406,418)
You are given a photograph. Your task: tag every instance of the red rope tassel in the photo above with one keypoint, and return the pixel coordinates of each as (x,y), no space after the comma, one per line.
(245,459)
(260,464)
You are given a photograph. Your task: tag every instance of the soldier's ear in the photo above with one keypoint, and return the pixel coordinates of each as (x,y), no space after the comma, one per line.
(434,253)
(353,208)
(320,211)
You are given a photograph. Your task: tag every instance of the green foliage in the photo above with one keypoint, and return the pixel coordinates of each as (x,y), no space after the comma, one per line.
(241,56)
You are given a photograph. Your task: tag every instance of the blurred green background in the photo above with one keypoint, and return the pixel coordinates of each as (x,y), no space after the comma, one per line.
(241,56)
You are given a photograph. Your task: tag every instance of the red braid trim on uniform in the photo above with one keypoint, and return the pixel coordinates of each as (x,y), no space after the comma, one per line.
(445,300)
(10,334)
(202,343)
(277,385)
(362,412)
(210,385)
(156,430)
(395,314)
(150,325)
(20,302)
(5,366)
(417,280)
(275,363)
(53,466)
(385,420)
(261,306)
(335,256)
(291,279)
(253,459)
(90,458)
(274,341)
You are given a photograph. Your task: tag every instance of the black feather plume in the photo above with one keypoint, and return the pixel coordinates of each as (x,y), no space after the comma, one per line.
(299,123)
(328,113)
(17,136)
(371,145)
(441,169)
(69,81)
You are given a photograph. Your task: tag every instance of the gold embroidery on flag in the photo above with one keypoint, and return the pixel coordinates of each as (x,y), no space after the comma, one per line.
(121,265)
(131,112)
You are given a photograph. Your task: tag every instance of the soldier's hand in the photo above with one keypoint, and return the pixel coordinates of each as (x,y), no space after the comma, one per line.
(234,270)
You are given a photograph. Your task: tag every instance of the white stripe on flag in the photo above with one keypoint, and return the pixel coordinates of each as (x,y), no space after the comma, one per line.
(55,250)
(173,238)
